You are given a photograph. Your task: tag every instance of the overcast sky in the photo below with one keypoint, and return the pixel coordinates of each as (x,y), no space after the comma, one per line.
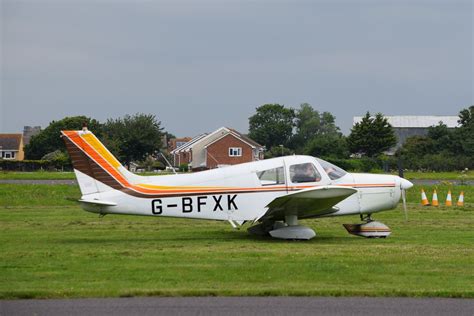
(199,65)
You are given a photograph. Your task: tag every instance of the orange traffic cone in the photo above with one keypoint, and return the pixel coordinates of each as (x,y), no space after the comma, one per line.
(435,199)
(461,199)
(424,199)
(449,201)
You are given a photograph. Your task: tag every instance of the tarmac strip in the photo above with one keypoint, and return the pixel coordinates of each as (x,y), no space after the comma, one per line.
(240,306)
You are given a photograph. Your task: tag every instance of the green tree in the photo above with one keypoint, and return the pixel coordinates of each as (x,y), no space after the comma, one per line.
(465,133)
(49,140)
(327,146)
(133,138)
(312,127)
(466,116)
(414,150)
(442,148)
(418,146)
(307,123)
(272,125)
(444,139)
(328,124)
(278,151)
(371,136)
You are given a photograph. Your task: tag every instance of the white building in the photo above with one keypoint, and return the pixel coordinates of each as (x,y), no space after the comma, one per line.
(410,125)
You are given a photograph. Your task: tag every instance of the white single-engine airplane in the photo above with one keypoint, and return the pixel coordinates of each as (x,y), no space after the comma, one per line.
(276,192)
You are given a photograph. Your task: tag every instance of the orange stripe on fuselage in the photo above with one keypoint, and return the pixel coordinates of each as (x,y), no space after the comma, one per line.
(93,154)
(372,185)
(95,150)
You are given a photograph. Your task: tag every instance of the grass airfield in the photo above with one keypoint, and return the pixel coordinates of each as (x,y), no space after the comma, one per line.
(50,248)
(69,175)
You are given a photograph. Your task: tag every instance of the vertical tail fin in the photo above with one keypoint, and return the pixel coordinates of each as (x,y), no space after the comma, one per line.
(96,169)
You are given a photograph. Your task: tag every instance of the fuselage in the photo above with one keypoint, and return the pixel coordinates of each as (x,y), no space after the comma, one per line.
(242,192)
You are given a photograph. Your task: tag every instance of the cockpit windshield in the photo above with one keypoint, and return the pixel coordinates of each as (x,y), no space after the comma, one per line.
(334,172)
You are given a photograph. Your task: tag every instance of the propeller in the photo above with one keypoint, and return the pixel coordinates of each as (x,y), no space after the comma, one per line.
(405,185)
(404,199)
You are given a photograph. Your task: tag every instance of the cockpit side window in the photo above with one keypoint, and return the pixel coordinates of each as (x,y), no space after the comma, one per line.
(271,176)
(305,172)
(334,172)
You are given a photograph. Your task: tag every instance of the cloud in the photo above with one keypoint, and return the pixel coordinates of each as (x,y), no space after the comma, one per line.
(219,61)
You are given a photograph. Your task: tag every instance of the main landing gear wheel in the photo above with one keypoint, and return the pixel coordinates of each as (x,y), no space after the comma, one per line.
(284,230)
(292,230)
(369,229)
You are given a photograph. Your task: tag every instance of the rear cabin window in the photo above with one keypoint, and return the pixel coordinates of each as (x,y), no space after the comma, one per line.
(271,176)
(304,172)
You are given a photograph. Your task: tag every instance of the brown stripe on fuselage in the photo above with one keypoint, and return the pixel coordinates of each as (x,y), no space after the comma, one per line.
(85,164)
(88,166)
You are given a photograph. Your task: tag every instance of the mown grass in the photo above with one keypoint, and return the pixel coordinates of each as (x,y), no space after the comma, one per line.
(49,248)
(29,195)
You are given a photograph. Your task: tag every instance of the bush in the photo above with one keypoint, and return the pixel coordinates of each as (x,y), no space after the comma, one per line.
(366,164)
(32,165)
(369,164)
(437,162)
(58,159)
(278,151)
(150,164)
(346,164)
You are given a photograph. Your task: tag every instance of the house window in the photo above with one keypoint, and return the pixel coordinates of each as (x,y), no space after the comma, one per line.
(8,155)
(235,151)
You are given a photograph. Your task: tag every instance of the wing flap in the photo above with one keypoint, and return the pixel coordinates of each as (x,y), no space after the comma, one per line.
(307,203)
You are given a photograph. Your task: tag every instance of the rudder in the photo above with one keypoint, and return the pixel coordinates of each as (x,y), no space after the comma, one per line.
(96,169)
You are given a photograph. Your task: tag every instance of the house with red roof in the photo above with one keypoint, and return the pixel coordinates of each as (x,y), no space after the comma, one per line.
(223,147)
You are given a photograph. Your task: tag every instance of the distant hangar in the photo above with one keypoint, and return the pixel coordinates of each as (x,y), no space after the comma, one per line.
(412,125)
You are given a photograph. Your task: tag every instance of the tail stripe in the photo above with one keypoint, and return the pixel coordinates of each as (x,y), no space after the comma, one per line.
(87,165)
(84,164)
(101,150)
(91,158)
(96,157)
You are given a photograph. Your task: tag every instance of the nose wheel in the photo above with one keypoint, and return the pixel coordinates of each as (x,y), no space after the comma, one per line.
(369,229)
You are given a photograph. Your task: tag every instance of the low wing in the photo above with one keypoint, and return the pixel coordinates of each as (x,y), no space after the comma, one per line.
(307,203)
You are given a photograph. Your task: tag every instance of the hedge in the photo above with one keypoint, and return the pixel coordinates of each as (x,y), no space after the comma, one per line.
(33,165)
